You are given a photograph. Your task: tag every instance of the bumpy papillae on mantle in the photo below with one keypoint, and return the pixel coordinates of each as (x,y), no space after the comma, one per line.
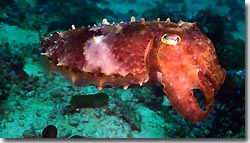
(177,55)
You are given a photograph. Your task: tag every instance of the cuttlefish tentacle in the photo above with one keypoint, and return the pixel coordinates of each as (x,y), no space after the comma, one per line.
(183,67)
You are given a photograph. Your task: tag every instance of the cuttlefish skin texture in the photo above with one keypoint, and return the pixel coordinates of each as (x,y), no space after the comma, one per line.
(177,55)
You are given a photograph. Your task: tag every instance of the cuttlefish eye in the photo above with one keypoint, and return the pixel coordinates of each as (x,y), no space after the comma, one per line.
(170,39)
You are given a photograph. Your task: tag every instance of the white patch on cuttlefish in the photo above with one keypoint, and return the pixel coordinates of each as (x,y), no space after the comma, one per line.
(99,57)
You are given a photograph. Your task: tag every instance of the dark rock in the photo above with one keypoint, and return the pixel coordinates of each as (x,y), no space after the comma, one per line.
(77,136)
(49,132)
(90,101)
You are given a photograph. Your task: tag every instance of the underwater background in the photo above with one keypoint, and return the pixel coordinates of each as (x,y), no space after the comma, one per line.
(35,103)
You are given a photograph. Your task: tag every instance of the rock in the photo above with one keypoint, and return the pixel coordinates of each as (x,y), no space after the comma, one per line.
(49,132)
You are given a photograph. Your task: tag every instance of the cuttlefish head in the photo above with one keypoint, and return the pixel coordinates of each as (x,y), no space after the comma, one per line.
(184,60)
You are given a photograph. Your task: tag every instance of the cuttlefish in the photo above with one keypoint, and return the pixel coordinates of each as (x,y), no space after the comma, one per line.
(176,55)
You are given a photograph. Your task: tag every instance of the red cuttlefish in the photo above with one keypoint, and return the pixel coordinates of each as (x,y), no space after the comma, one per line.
(177,55)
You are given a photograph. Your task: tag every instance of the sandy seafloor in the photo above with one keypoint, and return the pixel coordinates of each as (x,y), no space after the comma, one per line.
(41,98)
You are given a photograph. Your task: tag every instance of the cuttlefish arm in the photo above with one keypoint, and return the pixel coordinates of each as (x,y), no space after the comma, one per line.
(182,60)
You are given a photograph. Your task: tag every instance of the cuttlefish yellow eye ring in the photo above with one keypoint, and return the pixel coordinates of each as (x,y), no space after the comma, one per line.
(170,39)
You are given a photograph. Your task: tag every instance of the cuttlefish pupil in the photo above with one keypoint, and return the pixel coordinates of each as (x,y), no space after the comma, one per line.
(170,39)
